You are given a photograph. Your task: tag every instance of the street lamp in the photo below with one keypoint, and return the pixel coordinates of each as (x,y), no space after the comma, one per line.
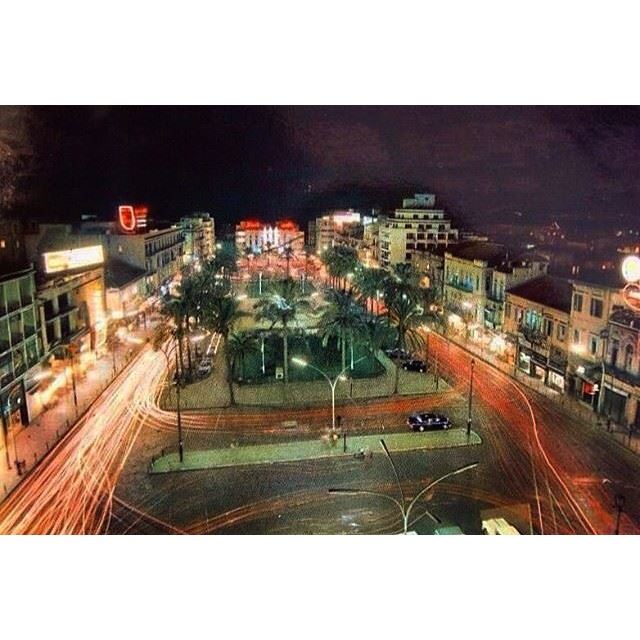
(619,501)
(177,381)
(332,383)
(405,509)
(473,364)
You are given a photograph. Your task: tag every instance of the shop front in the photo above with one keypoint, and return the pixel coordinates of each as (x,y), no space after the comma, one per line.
(614,403)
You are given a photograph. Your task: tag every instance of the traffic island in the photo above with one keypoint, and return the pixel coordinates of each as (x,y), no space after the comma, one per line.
(362,445)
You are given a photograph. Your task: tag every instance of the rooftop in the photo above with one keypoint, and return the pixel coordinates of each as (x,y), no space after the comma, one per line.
(547,291)
(489,252)
(609,278)
(119,274)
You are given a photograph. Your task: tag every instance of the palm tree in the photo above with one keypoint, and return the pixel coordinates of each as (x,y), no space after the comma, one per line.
(341,320)
(376,334)
(369,283)
(220,315)
(403,282)
(340,261)
(177,313)
(281,307)
(406,316)
(240,346)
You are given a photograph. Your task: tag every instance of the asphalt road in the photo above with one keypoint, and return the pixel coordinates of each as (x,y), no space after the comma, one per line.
(533,452)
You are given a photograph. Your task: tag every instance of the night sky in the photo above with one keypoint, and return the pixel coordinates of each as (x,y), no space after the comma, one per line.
(483,163)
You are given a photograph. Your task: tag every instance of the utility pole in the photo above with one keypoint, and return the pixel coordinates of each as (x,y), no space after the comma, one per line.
(473,364)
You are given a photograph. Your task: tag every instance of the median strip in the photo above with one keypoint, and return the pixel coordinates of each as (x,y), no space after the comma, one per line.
(311,450)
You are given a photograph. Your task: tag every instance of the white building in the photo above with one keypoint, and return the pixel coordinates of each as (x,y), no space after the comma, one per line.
(418,226)
(253,236)
(332,227)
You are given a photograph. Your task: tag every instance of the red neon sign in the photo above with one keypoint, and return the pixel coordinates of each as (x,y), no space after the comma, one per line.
(132,218)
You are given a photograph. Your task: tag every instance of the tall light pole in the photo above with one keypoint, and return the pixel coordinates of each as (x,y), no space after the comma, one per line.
(177,380)
(332,383)
(405,509)
(619,504)
(473,364)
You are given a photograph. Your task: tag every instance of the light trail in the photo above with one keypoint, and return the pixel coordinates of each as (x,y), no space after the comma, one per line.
(71,491)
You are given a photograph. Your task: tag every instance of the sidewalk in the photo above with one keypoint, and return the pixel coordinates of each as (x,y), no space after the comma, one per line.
(630,441)
(33,442)
(311,450)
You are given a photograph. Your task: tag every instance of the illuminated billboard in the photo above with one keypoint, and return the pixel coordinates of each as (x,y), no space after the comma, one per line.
(132,218)
(56,261)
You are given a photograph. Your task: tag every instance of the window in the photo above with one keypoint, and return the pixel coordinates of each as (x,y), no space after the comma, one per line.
(507,310)
(562,332)
(628,357)
(596,308)
(576,336)
(577,302)
(593,345)
(547,327)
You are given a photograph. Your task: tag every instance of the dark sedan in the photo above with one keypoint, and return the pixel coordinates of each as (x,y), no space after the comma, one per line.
(428,422)
(415,365)
(398,354)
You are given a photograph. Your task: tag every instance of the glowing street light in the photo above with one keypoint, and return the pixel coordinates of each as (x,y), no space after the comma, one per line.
(332,383)
(405,509)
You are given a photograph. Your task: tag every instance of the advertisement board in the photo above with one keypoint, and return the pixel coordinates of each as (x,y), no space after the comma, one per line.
(58,261)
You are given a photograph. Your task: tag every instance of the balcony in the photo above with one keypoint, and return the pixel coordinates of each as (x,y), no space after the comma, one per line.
(460,286)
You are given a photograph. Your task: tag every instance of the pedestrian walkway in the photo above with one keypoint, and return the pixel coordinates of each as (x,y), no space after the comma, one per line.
(311,450)
(30,444)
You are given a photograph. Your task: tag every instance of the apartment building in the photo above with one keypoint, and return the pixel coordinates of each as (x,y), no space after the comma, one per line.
(198,232)
(595,296)
(21,349)
(417,226)
(537,319)
(468,277)
(336,227)
(505,276)
(621,373)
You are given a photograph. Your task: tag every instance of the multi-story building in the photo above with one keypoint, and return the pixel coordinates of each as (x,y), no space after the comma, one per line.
(621,373)
(505,276)
(337,227)
(125,289)
(70,287)
(536,319)
(430,265)
(158,251)
(253,236)
(198,230)
(468,278)
(21,350)
(414,228)
(596,295)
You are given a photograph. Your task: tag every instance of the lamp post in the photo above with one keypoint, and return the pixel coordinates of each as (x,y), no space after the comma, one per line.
(332,383)
(619,501)
(177,381)
(473,364)
(405,509)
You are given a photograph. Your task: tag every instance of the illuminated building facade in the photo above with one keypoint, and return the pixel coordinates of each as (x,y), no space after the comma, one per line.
(21,348)
(337,227)
(595,297)
(198,232)
(255,237)
(537,319)
(415,227)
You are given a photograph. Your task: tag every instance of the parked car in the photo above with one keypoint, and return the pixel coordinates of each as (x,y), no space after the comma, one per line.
(428,422)
(205,366)
(415,365)
(398,354)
